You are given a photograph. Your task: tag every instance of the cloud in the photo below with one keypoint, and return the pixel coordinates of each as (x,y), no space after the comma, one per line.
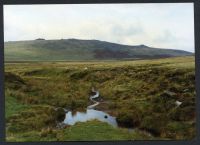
(159,25)
(165,37)
(127,29)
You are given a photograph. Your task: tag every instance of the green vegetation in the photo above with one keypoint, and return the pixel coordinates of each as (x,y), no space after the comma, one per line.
(13,106)
(92,131)
(141,94)
(75,49)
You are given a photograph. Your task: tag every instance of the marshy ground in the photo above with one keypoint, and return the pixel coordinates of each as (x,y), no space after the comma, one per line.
(141,94)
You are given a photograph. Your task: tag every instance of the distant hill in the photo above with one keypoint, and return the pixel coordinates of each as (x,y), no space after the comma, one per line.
(75,50)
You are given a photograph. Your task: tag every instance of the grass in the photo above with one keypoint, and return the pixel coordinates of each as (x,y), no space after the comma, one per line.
(91,130)
(74,49)
(95,131)
(13,107)
(139,93)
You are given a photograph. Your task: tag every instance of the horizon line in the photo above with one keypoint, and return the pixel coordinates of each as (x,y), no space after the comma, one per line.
(43,39)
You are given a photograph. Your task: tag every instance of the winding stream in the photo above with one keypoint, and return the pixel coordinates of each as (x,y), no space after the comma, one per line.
(95,102)
(90,114)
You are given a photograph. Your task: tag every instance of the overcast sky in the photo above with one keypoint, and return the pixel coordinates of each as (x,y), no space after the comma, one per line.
(157,25)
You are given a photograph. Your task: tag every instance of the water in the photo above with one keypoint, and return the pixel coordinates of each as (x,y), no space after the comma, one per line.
(95,102)
(90,114)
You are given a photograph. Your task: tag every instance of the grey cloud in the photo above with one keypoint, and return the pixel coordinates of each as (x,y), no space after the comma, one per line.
(126,24)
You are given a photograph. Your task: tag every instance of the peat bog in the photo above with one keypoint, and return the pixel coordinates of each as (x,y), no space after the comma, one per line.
(141,94)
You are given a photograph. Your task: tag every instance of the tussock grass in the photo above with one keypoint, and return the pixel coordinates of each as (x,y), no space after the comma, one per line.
(140,94)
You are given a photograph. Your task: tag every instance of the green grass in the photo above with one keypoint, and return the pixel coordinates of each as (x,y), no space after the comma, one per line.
(138,93)
(96,131)
(13,106)
(91,130)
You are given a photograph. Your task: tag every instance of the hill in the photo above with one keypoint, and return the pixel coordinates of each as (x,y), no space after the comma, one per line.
(75,49)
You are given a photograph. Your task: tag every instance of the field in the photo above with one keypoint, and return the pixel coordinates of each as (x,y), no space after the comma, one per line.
(141,94)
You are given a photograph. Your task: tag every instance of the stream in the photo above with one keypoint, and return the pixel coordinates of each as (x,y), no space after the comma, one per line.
(90,114)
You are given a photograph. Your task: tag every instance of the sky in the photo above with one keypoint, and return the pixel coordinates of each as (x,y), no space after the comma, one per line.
(164,25)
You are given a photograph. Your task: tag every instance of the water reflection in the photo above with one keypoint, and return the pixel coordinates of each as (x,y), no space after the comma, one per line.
(90,114)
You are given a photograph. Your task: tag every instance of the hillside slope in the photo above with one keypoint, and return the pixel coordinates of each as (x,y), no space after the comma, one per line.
(75,49)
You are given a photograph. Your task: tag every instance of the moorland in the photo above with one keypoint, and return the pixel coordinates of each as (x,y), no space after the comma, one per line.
(141,94)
